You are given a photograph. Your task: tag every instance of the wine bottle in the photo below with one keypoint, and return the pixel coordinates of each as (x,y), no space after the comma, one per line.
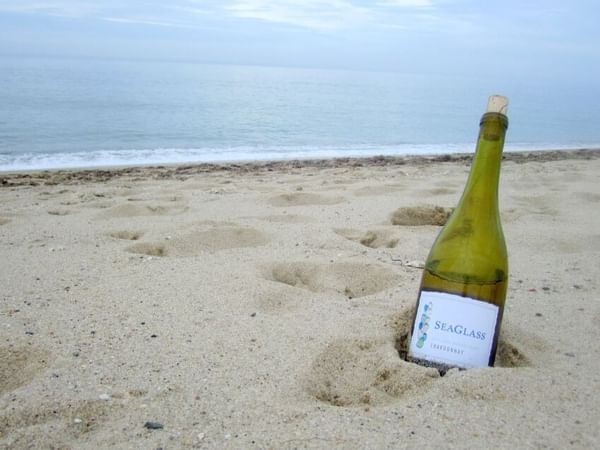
(463,287)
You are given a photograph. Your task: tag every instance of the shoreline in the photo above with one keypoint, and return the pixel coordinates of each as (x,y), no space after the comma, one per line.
(95,174)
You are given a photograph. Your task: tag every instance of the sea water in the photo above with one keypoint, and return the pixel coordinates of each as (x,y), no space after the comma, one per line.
(63,113)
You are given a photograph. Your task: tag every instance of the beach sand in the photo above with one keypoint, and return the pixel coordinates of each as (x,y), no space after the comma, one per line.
(264,305)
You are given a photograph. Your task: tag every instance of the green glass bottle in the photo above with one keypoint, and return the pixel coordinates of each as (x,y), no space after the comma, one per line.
(463,288)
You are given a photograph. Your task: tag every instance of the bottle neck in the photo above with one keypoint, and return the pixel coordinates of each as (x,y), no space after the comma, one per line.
(481,190)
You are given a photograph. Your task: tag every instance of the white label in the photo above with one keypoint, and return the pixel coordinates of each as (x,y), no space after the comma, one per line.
(453,330)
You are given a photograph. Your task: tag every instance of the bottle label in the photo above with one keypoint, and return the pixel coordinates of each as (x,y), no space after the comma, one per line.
(453,330)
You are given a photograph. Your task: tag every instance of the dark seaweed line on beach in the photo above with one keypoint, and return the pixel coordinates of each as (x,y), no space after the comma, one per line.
(182,172)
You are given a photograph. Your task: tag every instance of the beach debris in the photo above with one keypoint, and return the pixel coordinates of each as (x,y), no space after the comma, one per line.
(104,396)
(154,425)
(200,436)
(77,420)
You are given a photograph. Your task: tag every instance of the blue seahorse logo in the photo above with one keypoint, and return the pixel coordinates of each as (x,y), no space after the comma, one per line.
(423,325)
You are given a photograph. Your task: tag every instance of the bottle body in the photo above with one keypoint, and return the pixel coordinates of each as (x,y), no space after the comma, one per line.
(463,287)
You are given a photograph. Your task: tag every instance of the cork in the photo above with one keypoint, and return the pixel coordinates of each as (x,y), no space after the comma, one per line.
(498,104)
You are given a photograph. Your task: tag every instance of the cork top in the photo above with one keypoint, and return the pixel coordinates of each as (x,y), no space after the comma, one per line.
(497,104)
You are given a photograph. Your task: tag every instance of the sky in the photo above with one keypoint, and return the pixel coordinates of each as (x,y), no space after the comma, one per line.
(539,37)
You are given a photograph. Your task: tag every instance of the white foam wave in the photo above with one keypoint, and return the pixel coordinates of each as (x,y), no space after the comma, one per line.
(137,157)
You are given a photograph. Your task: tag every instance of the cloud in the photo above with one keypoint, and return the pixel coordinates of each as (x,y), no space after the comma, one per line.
(407,3)
(319,15)
(144,22)
(51,8)
(179,14)
(313,14)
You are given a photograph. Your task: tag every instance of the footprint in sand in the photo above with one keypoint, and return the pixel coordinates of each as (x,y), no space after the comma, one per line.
(538,205)
(303,199)
(360,372)
(135,210)
(351,280)
(355,372)
(286,218)
(279,298)
(368,191)
(69,421)
(127,235)
(380,238)
(18,366)
(195,243)
(435,191)
(59,212)
(590,197)
(421,215)
(148,249)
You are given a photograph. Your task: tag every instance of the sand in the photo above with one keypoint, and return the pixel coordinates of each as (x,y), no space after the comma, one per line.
(264,305)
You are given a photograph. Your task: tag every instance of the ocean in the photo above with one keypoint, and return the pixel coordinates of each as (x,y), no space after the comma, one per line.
(67,113)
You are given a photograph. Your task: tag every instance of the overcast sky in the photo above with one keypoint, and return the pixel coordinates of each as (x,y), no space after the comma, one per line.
(538,37)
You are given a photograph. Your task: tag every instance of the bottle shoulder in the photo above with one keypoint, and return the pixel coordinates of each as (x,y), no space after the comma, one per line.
(470,247)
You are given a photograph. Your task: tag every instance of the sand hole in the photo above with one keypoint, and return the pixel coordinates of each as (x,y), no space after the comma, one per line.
(421,215)
(360,372)
(351,280)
